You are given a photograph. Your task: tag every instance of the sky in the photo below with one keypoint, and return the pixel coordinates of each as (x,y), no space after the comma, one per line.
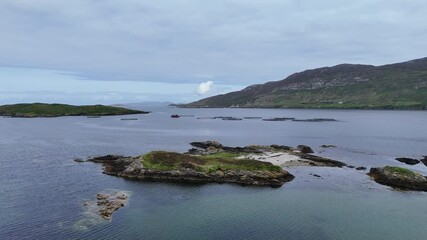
(112,51)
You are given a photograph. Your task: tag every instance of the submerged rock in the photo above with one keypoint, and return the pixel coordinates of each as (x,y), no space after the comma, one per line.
(278,119)
(315,120)
(409,161)
(107,204)
(397,177)
(96,211)
(327,146)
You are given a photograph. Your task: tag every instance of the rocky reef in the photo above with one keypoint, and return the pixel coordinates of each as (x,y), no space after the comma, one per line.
(103,207)
(398,177)
(409,161)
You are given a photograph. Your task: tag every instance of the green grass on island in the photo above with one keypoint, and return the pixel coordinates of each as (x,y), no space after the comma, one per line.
(400,171)
(57,110)
(160,160)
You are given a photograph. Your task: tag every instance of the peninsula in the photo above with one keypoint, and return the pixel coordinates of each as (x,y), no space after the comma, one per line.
(30,110)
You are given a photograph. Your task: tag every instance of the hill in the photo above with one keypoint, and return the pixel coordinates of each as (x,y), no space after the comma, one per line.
(393,86)
(57,110)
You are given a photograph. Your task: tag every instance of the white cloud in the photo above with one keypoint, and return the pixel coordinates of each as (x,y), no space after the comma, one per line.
(205,87)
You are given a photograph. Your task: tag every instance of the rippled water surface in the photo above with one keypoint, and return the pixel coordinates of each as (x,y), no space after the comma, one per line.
(42,188)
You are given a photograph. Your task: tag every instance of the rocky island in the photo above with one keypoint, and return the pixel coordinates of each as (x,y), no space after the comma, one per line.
(400,178)
(29,110)
(212,162)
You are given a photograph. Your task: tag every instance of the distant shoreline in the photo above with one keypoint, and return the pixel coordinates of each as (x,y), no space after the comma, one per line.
(44,110)
(302,108)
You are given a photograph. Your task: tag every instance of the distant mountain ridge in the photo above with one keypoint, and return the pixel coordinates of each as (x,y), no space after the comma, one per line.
(393,86)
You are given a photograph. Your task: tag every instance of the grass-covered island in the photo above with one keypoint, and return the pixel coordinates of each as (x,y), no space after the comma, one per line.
(399,177)
(212,162)
(179,167)
(57,110)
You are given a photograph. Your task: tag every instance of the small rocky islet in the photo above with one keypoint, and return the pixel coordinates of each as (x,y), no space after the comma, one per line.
(399,178)
(211,161)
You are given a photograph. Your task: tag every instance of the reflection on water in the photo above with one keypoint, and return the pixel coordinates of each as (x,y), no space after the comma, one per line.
(43,188)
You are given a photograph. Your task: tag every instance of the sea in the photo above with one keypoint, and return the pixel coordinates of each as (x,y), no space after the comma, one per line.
(42,188)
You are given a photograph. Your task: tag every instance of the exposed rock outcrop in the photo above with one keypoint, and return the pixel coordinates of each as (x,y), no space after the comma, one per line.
(106,203)
(409,161)
(399,178)
(424,160)
(328,146)
(305,149)
(263,153)
(132,167)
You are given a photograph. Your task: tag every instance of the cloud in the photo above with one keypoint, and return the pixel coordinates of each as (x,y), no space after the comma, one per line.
(204,87)
(37,85)
(232,41)
(160,49)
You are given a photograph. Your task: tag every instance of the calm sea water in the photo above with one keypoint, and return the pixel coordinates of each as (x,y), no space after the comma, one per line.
(42,188)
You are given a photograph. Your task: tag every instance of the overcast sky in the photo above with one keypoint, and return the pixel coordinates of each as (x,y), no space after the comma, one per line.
(112,51)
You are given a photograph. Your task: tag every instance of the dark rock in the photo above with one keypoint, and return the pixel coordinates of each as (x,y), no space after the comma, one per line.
(129,119)
(424,160)
(351,166)
(207,144)
(315,120)
(79,160)
(100,196)
(278,119)
(328,146)
(409,161)
(195,151)
(399,178)
(231,119)
(361,168)
(104,158)
(252,118)
(281,147)
(321,161)
(305,149)
(315,175)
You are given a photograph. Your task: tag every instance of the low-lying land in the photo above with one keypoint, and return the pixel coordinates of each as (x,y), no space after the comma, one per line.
(57,110)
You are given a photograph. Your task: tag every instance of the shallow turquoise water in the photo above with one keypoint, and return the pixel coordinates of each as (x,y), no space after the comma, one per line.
(43,188)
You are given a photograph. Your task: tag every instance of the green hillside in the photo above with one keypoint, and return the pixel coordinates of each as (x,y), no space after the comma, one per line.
(394,86)
(57,110)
